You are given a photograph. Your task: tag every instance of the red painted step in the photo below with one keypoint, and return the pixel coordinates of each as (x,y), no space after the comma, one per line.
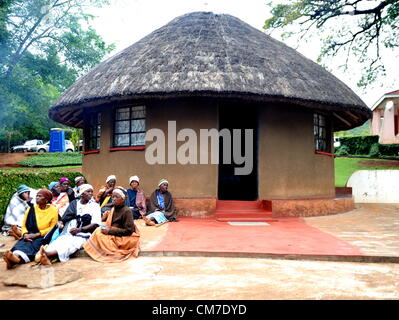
(236,205)
(242,211)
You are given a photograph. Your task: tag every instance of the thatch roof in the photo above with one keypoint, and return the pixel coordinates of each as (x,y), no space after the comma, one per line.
(212,55)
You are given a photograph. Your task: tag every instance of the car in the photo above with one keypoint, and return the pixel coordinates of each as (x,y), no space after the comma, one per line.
(36,145)
(69,147)
(337,143)
(28,146)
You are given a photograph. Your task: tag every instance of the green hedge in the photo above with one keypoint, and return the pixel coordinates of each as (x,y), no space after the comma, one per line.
(366,145)
(357,145)
(9,182)
(54,159)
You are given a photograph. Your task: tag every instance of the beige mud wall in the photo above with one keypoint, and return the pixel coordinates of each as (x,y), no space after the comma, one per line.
(288,165)
(198,181)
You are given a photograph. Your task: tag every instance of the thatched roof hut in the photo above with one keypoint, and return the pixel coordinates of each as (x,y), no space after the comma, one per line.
(210,71)
(206,54)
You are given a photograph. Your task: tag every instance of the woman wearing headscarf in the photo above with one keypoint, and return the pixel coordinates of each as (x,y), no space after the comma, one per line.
(104,195)
(64,184)
(60,199)
(81,218)
(78,182)
(38,221)
(161,207)
(118,239)
(20,201)
(136,198)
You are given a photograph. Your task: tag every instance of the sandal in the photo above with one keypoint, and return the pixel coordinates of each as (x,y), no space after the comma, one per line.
(148,222)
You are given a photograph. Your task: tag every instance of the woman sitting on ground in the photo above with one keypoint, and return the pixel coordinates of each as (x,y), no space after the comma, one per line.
(81,218)
(136,198)
(38,221)
(78,182)
(20,201)
(104,195)
(60,199)
(161,206)
(64,183)
(118,239)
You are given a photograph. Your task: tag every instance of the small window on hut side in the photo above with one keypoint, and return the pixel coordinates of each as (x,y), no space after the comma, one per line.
(129,126)
(321,135)
(94,129)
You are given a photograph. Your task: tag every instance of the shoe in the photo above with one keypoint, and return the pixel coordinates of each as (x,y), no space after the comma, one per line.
(148,222)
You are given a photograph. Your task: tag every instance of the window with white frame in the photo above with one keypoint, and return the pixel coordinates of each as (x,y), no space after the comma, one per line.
(129,126)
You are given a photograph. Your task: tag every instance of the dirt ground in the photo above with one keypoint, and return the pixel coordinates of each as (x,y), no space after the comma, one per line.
(187,278)
(214,278)
(383,164)
(10,160)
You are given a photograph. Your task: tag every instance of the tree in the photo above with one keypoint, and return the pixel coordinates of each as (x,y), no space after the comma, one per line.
(375,26)
(45,46)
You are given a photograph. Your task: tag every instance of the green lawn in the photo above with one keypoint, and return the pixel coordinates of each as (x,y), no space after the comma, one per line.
(344,167)
(55,159)
(38,170)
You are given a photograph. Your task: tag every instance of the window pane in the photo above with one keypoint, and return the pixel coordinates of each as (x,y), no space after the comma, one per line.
(322,121)
(322,132)
(138,125)
(138,139)
(121,140)
(98,131)
(138,112)
(122,127)
(122,114)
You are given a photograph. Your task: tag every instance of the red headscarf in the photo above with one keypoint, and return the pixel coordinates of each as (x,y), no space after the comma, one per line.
(46,194)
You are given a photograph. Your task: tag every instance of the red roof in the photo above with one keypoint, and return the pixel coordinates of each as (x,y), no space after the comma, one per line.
(393,92)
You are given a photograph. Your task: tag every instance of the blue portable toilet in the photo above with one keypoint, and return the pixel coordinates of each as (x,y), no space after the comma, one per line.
(57,140)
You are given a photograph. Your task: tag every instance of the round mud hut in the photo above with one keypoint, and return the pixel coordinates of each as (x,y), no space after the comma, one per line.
(223,111)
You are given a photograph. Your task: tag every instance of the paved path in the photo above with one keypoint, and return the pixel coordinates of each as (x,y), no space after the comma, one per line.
(369,230)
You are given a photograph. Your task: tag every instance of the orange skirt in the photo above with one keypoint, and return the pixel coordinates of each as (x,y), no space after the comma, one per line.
(108,248)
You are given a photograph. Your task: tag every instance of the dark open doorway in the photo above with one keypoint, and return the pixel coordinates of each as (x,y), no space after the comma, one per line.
(232,186)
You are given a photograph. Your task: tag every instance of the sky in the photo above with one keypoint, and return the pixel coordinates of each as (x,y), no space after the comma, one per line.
(124,22)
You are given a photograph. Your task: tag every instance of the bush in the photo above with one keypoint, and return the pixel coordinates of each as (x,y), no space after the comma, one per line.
(343,150)
(9,182)
(366,145)
(375,150)
(389,149)
(358,145)
(53,159)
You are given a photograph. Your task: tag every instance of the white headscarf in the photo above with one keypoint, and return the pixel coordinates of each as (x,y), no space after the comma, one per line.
(162,181)
(85,187)
(110,178)
(120,192)
(134,178)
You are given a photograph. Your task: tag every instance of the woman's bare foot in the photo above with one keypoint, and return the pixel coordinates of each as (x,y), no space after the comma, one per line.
(17,231)
(10,259)
(44,260)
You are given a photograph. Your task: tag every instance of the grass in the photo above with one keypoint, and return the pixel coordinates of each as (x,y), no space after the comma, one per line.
(39,169)
(345,167)
(54,159)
